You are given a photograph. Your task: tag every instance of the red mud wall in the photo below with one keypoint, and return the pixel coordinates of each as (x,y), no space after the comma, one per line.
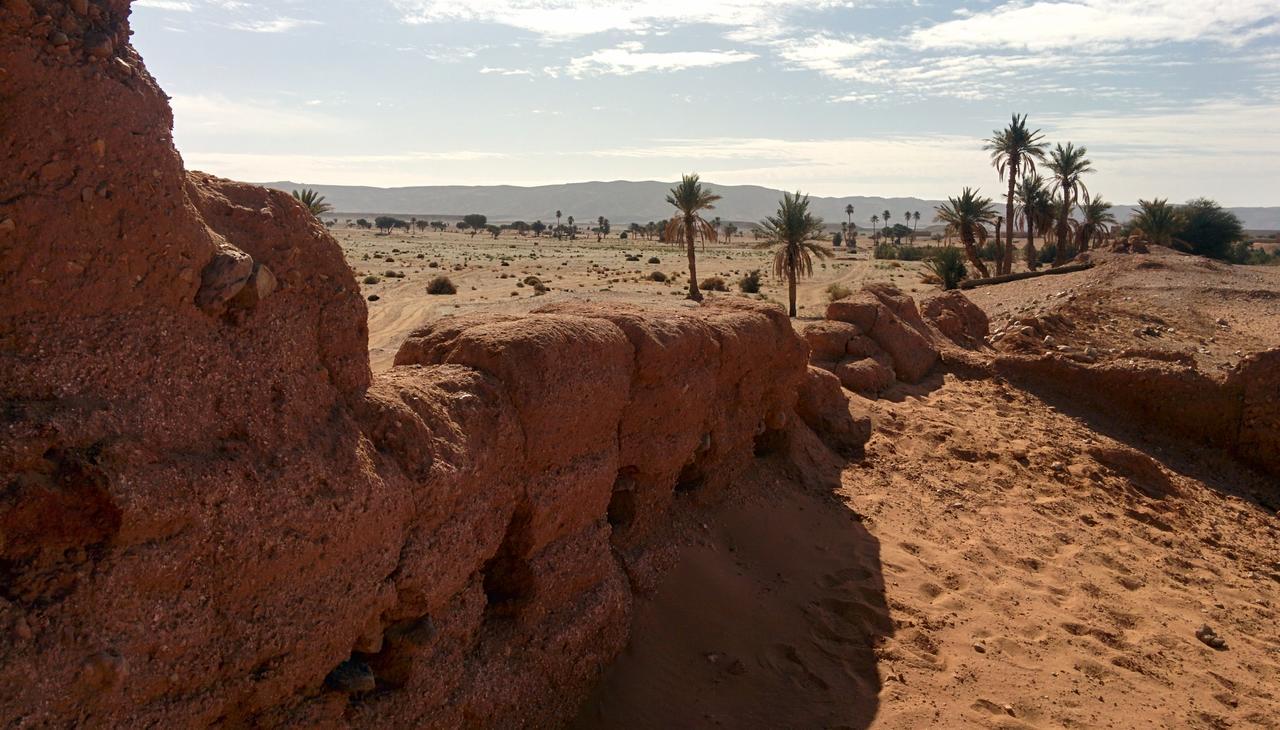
(1239,413)
(209,512)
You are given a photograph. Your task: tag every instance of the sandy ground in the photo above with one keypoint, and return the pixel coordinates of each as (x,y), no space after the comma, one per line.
(489,275)
(991,563)
(996,560)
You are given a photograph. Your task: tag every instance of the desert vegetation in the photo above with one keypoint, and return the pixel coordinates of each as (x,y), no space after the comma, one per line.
(793,234)
(687,225)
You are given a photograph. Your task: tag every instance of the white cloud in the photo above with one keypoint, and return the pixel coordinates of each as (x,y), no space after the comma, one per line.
(630,58)
(506,71)
(1080,25)
(1224,149)
(176,5)
(573,18)
(216,114)
(274,25)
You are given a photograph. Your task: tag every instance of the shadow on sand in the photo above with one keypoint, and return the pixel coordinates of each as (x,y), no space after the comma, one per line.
(771,619)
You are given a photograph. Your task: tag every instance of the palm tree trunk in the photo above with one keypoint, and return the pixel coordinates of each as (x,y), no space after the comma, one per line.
(1060,253)
(966,238)
(694,294)
(1007,266)
(791,286)
(1030,252)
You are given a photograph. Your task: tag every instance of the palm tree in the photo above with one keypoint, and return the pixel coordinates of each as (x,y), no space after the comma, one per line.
(1035,210)
(875,228)
(848,211)
(557,225)
(689,198)
(1096,224)
(915,221)
(1158,221)
(573,231)
(729,230)
(967,216)
(1068,165)
(1014,152)
(886,219)
(312,201)
(794,234)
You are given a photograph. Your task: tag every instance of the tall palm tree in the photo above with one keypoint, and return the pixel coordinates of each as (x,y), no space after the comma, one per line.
(312,201)
(1035,210)
(848,211)
(1069,166)
(875,228)
(1014,151)
(689,199)
(1158,221)
(1096,223)
(557,225)
(886,219)
(967,216)
(793,232)
(573,231)
(915,221)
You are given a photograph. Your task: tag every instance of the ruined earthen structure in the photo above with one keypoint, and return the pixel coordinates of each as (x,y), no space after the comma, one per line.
(211,512)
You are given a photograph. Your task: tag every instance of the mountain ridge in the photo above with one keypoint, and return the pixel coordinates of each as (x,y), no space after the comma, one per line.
(638,201)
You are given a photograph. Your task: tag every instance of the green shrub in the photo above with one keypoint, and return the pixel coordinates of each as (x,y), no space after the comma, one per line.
(714,283)
(912,253)
(948,265)
(371,279)
(750,284)
(836,290)
(441,285)
(885,251)
(654,260)
(657,276)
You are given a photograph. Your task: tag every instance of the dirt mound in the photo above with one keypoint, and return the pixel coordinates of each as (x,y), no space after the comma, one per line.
(210,513)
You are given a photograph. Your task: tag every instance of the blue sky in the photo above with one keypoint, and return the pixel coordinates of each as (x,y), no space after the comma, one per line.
(877,97)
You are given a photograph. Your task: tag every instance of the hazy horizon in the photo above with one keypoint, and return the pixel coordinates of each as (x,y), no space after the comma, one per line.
(836,98)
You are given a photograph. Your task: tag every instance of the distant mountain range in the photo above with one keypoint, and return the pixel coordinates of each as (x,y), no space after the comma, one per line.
(631,202)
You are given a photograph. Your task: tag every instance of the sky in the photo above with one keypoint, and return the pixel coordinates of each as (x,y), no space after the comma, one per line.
(1175,99)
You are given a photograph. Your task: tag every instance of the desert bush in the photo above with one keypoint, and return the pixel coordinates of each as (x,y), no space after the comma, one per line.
(836,290)
(885,251)
(948,265)
(1048,253)
(657,276)
(750,283)
(713,283)
(441,285)
(654,260)
(371,279)
(912,253)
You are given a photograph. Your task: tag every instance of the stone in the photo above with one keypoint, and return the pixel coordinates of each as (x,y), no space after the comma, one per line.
(913,354)
(865,376)
(223,277)
(861,310)
(828,339)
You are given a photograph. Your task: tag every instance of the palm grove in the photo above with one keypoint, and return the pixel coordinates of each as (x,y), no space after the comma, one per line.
(1046,194)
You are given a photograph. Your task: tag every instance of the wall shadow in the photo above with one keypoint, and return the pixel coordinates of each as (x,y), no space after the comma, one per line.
(770,619)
